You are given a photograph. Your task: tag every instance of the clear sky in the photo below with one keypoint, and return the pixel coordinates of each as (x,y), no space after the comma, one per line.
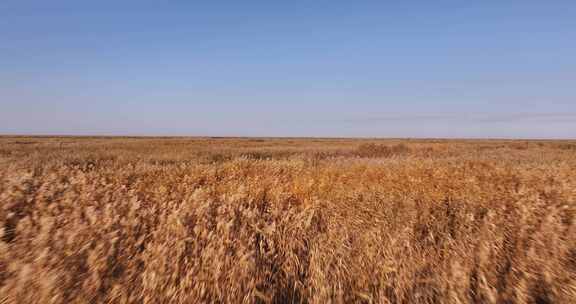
(289,68)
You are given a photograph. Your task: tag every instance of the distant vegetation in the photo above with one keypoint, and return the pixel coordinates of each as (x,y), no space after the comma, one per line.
(221,220)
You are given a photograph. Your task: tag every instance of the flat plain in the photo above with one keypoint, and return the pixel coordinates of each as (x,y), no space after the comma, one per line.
(269,220)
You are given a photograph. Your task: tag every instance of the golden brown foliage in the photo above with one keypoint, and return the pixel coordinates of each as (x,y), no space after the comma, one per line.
(219,220)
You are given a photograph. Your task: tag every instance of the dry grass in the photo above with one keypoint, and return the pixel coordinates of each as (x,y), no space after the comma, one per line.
(217,220)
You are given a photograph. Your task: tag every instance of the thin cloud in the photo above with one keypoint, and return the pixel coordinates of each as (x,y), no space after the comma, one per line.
(467,117)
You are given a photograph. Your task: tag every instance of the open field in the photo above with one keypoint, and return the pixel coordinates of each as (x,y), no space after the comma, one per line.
(231,220)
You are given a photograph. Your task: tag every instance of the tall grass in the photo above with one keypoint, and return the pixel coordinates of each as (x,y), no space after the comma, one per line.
(127,220)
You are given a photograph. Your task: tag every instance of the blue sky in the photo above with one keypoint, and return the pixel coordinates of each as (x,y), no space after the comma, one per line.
(289,68)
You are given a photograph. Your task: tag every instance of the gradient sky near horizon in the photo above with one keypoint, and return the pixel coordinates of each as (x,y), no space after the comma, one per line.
(289,68)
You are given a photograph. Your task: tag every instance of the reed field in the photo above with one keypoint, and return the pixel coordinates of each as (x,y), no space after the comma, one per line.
(268,220)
